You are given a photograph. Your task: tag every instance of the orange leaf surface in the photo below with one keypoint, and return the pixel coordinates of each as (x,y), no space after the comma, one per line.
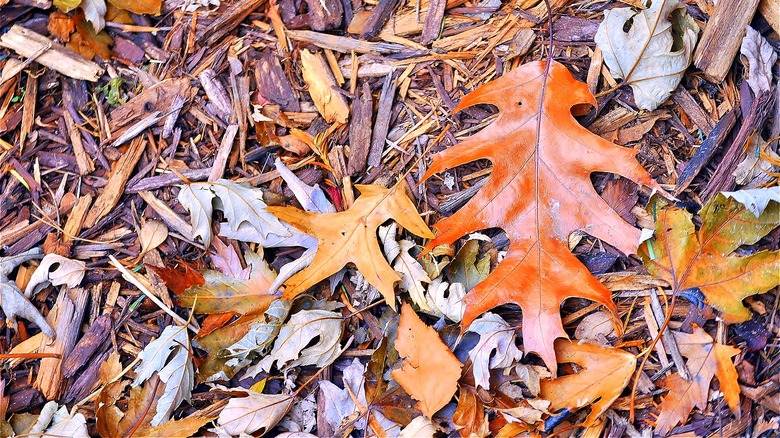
(605,373)
(350,236)
(686,258)
(539,192)
(705,360)
(430,371)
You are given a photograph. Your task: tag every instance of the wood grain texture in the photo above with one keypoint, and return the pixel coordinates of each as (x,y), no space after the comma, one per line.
(722,37)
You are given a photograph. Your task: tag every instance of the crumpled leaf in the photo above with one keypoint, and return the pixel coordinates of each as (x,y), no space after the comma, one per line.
(95,12)
(470,417)
(430,371)
(67,272)
(687,259)
(755,200)
(221,293)
(605,373)
(340,405)
(184,427)
(539,192)
(350,236)
(169,357)
(290,349)
(12,301)
(260,336)
(654,53)
(243,208)
(446,299)
(253,413)
(760,57)
(466,269)
(56,422)
(408,268)
(760,163)
(706,359)
(111,421)
(496,348)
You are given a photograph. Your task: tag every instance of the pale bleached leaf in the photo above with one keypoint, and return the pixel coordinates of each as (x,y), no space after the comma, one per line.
(152,234)
(420,427)
(198,200)
(412,274)
(260,336)
(95,12)
(446,299)
(496,348)
(302,417)
(290,348)
(253,413)
(58,271)
(63,424)
(339,404)
(755,200)
(312,198)
(758,164)
(12,301)
(169,357)
(643,56)
(760,57)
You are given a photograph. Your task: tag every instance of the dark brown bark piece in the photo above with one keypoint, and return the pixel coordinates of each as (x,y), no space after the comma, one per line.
(379,17)
(706,151)
(95,336)
(273,84)
(433,21)
(228,20)
(382,123)
(360,131)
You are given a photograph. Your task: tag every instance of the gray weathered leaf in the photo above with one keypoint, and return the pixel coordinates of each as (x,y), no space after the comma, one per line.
(65,424)
(12,301)
(67,272)
(290,348)
(760,57)
(198,200)
(446,299)
(261,334)
(408,268)
(755,200)
(655,52)
(758,164)
(169,357)
(420,427)
(312,198)
(95,12)
(496,347)
(255,412)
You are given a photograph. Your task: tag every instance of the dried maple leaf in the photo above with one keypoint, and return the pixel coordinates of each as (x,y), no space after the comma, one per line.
(705,360)
(538,193)
(350,236)
(689,259)
(430,371)
(605,373)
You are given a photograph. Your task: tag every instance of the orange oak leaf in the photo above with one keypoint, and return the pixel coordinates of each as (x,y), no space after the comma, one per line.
(687,259)
(605,373)
(705,360)
(430,371)
(539,192)
(350,236)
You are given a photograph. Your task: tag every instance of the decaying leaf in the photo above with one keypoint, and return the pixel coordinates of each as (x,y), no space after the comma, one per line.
(760,57)
(185,427)
(12,301)
(260,336)
(706,359)
(408,268)
(496,348)
(153,233)
(470,417)
(253,413)
(689,259)
(604,374)
(430,371)
(341,405)
(58,271)
(465,268)
(350,236)
(56,422)
(292,348)
(761,162)
(420,427)
(322,87)
(221,293)
(653,53)
(539,192)
(756,200)
(112,421)
(94,12)
(169,357)
(446,299)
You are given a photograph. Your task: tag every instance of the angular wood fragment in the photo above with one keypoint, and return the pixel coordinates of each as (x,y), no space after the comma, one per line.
(706,151)
(433,21)
(218,168)
(76,218)
(27,43)
(360,131)
(228,20)
(216,93)
(382,124)
(343,44)
(116,182)
(722,37)
(83,160)
(159,97)
(323,89)
(688,104)
(95,336)
(273,84)
(168,216)
(65,317)
(379,16)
